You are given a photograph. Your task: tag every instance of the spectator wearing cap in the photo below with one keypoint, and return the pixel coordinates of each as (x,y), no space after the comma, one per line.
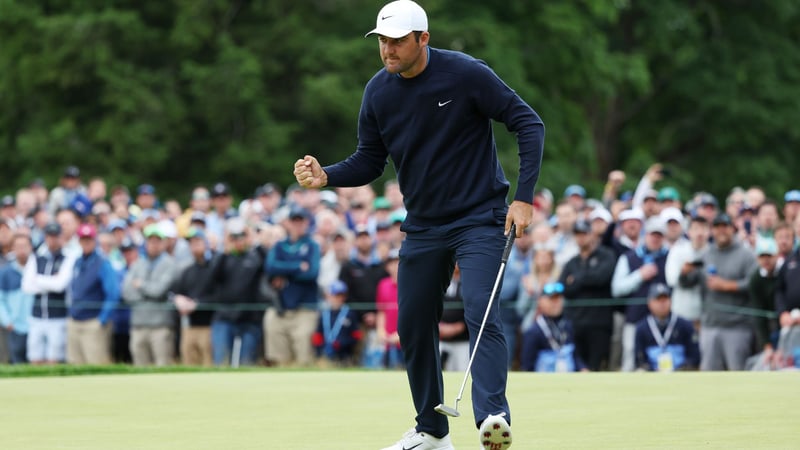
(517,266)
(727,335)
(47,277)
(268,198)
(221,210)
(175,245)
(665,342)
(630,224)
(94,294)
(146,197)
(787,298)
(706,206)
(587,283)
(575,195)
(673,218)
(600,219)
(240,300)
(683,257)
(293,266)
(636,271)
(549,345)
(8,209)
(563,240)
(646,197)
(146,289)
(335,256)
(337,332)
(453,332)
(69,187)
(121,317)
(396,234)
(199,205)
(669,197)
(362,273)
(192,291)
(791,205)
(15,304)
(763,283)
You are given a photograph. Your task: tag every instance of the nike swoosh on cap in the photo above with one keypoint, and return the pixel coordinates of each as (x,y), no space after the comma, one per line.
(384,18)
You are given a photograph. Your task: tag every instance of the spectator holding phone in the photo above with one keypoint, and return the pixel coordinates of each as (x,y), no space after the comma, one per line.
(684,257)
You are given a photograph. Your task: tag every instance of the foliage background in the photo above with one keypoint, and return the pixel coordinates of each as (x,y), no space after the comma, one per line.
(182,92)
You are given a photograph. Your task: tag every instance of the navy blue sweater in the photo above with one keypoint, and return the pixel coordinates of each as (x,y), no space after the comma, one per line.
(437,128)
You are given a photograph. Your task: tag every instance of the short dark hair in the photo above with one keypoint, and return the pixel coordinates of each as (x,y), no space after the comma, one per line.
(417,34)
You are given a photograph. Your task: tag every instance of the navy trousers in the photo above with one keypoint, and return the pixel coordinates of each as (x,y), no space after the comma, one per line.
(427,259)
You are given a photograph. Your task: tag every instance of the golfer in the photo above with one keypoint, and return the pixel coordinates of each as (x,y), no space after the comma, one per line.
(430,110)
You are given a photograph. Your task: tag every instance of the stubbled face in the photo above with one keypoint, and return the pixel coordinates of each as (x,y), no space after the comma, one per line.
(404,55)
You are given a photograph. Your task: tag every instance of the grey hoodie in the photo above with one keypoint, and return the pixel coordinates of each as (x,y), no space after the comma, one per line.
(735,262)
(149,305)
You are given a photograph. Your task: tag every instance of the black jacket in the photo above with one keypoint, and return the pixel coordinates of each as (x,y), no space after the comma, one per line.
(238,277)
(194,281)
(787,291)
(589,280)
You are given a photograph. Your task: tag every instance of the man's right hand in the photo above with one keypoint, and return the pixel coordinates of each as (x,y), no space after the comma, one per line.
(309,173)
(648,271)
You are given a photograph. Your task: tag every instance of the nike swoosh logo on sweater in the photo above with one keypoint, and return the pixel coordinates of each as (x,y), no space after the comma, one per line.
(444,103)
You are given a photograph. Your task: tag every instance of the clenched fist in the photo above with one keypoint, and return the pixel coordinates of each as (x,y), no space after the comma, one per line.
(309,173)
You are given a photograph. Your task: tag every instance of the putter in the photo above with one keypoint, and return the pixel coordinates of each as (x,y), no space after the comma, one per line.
(453,412)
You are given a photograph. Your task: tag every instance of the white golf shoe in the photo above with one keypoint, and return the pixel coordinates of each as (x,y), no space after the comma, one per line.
(413,440)
(495,433)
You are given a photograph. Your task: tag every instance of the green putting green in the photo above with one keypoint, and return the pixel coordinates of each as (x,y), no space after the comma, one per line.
(343,410)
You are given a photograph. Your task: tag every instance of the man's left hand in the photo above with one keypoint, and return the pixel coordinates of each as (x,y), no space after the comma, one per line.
(521,214)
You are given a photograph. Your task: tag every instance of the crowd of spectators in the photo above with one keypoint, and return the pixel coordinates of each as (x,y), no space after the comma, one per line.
(642,280)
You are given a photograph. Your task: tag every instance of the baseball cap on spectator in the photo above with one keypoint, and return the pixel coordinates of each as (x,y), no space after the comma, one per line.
(338,287)
(383,225)
(658,290)
(329,198)
(236,226)
(394,254)
(397,217)
(722,219)
(555,288)
(672,213)
(272,188)
(149,214)
(37,183)
(52,229)
(117,224)
(631,214)
(81,205)
(298,212)
(655,225)
(601,214)
(220,190)
(86,230)
(707,199)
(651,194)
(195,233)
(168,229)
(72,172)
(153,230)
(341,232)
(101,207)
(575,189)
(381,203)
(362,230)
(8,201)
(668,193)
(198,216)
(399,18)
(126,244)
(546,194)
(146,189)
(792,196)
(766,246)
(745,208)
(582,226)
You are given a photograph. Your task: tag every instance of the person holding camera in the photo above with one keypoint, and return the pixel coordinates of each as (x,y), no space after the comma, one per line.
(683,257)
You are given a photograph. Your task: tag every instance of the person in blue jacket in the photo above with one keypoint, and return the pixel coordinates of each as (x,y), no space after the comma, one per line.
(549,345)
(16,306)
(665,342)
(431,111)
(338,329)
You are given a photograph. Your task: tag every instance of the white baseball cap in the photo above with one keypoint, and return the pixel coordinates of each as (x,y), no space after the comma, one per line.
(399,18)
(634,214)
(602,214)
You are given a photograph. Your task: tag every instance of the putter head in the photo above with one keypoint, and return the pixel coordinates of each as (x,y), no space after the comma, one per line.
(447,411)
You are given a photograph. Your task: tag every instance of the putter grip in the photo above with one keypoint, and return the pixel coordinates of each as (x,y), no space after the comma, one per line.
(512,233)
